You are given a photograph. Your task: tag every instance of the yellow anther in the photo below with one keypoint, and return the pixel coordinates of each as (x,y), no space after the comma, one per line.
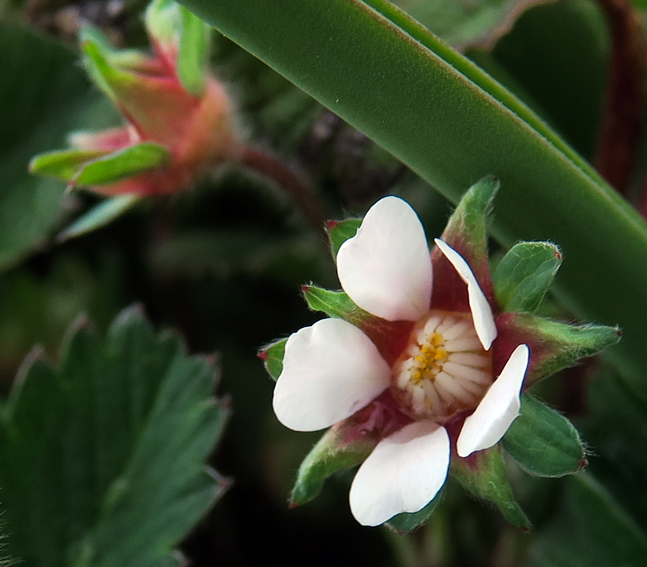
(440,353)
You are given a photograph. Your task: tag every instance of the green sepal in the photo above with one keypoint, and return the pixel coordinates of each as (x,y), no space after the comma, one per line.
(97,167)
(130,161)
(63,165)
(127,59)
(553,345)
(466,230)
(524,275)
(100,215)
(403,523)
(134,92)
(162,21)
(335,304)
(333,453)
(193,55)
(389,337)
(543,441)
(272,357)
(169,23)
(103,68)
(340,231)
(483,474)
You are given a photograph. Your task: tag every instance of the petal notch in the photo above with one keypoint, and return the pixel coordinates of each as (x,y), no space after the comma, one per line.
(386,267)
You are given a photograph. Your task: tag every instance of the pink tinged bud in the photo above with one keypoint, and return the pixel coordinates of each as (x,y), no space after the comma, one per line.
(106,140)
(195,127)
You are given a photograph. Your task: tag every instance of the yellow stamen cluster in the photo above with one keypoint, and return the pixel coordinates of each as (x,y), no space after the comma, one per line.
(430,360)
(444,369)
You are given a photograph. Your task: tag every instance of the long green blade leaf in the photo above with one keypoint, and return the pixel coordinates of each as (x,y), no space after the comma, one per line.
(452,124)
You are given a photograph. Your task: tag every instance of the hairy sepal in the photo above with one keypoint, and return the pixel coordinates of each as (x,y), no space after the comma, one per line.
(390,337)
(272,357)
(466,232)
(483,474)
(340,231)
(543,442)
(525,274)
(553,345)
(346,444)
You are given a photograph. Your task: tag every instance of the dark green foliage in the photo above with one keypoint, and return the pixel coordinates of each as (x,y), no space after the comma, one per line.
(102,458)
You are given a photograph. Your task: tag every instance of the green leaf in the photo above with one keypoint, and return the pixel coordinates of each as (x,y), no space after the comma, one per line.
(614,425)
(542,65)
(48,95)
(451,123)
(340,231)
(543,441)
(480,22)
(102,458)
(193,55)
(404,523)
(121,164)
(272,356)
(483,474)
(524,275)
(100,215)
(589,530)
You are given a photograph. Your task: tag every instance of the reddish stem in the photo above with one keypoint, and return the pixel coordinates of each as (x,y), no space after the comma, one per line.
(622,118)
(299,191)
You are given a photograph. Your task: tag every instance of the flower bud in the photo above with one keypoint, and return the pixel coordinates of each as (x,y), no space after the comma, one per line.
(170,102)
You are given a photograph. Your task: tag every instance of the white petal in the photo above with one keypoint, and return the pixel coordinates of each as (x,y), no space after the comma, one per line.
(330,371)
(386,267)
(402,474)
(498,408)
(479,305)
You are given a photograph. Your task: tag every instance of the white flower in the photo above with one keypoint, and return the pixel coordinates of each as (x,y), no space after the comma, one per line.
(332,369)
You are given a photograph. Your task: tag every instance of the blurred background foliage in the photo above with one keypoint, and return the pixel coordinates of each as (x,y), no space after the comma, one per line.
(222,264)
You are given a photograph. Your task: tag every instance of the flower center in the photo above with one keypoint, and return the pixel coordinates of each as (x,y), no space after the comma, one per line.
(443,370)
